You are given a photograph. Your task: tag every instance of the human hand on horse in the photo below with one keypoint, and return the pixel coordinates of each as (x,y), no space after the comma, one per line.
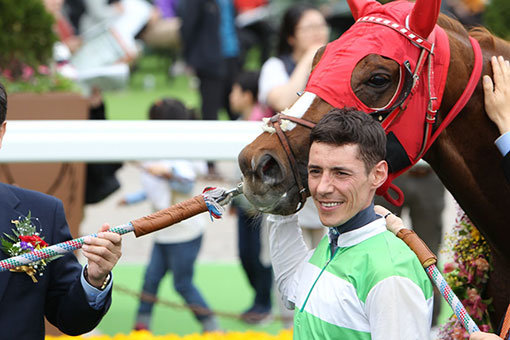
(497,94)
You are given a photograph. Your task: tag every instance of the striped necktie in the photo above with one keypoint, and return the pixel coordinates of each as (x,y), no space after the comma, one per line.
(333,239)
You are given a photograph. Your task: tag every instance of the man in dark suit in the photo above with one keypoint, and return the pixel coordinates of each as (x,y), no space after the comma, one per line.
(73,299)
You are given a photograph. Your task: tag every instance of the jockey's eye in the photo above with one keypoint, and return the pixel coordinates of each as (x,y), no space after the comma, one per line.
(378,80)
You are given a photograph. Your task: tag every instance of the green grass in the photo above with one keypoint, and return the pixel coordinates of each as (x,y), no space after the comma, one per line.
(134,102)
(224,287)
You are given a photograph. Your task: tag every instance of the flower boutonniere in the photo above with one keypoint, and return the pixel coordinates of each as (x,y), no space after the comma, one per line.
(26,238)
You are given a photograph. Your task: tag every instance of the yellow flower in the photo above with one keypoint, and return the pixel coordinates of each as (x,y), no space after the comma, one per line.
(475,234)
(145,335)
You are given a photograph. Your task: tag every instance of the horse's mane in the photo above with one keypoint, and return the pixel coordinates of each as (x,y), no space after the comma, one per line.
(482,34)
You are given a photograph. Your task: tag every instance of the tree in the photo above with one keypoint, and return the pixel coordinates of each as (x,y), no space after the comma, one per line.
(496,18)
(26,37)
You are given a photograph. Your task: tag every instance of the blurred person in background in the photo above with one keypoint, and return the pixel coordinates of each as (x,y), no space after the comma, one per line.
(175,249)
(211,48)
(101,180)
(253,21)
(162,30)
(468,12)
(303,31)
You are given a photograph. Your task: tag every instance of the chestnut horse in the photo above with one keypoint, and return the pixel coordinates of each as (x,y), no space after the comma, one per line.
(463,155)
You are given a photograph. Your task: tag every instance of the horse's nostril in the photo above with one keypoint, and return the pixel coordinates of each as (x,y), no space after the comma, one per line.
(269,170)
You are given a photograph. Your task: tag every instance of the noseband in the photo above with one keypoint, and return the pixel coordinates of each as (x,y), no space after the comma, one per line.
(276,122)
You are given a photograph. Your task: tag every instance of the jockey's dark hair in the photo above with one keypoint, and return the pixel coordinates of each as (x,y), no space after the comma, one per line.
(169,109)
(288,27)
(3,103)
(249,81)
(348,126)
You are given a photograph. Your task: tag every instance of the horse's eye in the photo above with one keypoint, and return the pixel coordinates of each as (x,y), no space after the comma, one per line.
(378,80)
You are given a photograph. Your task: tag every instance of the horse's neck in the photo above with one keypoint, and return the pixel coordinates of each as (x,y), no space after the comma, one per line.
(465,158)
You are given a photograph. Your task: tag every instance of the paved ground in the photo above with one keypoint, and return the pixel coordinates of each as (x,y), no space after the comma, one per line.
(220,240)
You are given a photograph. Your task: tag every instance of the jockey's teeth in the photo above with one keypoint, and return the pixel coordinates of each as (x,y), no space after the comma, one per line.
(330,204)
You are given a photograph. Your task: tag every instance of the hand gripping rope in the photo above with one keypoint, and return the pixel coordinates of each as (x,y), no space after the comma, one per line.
(212,200)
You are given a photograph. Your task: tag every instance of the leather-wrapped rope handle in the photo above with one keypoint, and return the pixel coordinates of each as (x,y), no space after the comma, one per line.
(420,248)
(166,217)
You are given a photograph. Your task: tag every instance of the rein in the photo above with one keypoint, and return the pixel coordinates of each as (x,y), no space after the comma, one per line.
(276,122)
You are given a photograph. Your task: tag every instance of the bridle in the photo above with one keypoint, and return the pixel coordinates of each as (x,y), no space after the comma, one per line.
(276,122)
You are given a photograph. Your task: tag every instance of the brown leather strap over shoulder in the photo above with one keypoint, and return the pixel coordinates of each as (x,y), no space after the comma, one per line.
(425,255)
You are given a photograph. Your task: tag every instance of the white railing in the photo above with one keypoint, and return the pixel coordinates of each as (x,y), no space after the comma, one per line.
(103,141)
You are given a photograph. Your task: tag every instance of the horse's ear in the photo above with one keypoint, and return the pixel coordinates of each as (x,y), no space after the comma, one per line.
(423,18)
(361,7)
(318,55)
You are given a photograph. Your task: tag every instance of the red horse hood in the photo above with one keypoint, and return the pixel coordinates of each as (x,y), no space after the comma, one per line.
(331,78)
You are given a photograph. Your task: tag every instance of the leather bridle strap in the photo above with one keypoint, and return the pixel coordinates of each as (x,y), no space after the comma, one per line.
(276,121)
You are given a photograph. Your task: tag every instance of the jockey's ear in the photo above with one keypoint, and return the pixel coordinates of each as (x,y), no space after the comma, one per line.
(360,8)
(423,18)
(379,174)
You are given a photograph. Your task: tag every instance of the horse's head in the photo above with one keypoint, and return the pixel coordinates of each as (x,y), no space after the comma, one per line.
(370,67)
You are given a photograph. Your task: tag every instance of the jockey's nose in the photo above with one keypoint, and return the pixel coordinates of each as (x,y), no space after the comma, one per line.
(323,185)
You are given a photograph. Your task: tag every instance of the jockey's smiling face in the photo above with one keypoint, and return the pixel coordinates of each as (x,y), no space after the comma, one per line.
(339,182)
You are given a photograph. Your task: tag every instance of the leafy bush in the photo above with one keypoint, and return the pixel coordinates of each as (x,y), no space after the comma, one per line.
(26,45)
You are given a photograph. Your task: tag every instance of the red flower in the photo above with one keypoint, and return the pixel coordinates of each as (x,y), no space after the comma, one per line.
(34,240)
(482,264)
(27,73)
(448,267)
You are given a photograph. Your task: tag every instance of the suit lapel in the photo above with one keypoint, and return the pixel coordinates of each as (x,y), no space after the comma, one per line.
(9,205)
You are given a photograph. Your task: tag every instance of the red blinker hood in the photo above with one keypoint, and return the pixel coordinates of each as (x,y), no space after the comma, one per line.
(391,31)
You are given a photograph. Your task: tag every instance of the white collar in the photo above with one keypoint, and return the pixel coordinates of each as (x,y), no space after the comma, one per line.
(361,234)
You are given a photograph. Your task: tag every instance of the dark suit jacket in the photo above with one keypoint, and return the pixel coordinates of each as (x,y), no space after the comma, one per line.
(200,37)
(506,166)
(59,294)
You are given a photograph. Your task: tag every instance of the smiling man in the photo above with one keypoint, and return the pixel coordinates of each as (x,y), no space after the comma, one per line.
(72,298)
(361,282)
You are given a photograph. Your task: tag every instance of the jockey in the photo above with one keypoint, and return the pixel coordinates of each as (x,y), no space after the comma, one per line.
(361,282)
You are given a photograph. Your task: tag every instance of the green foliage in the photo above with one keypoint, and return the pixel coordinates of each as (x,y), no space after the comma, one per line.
(496,18)
(39,83)
(26,43)
(27,35)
